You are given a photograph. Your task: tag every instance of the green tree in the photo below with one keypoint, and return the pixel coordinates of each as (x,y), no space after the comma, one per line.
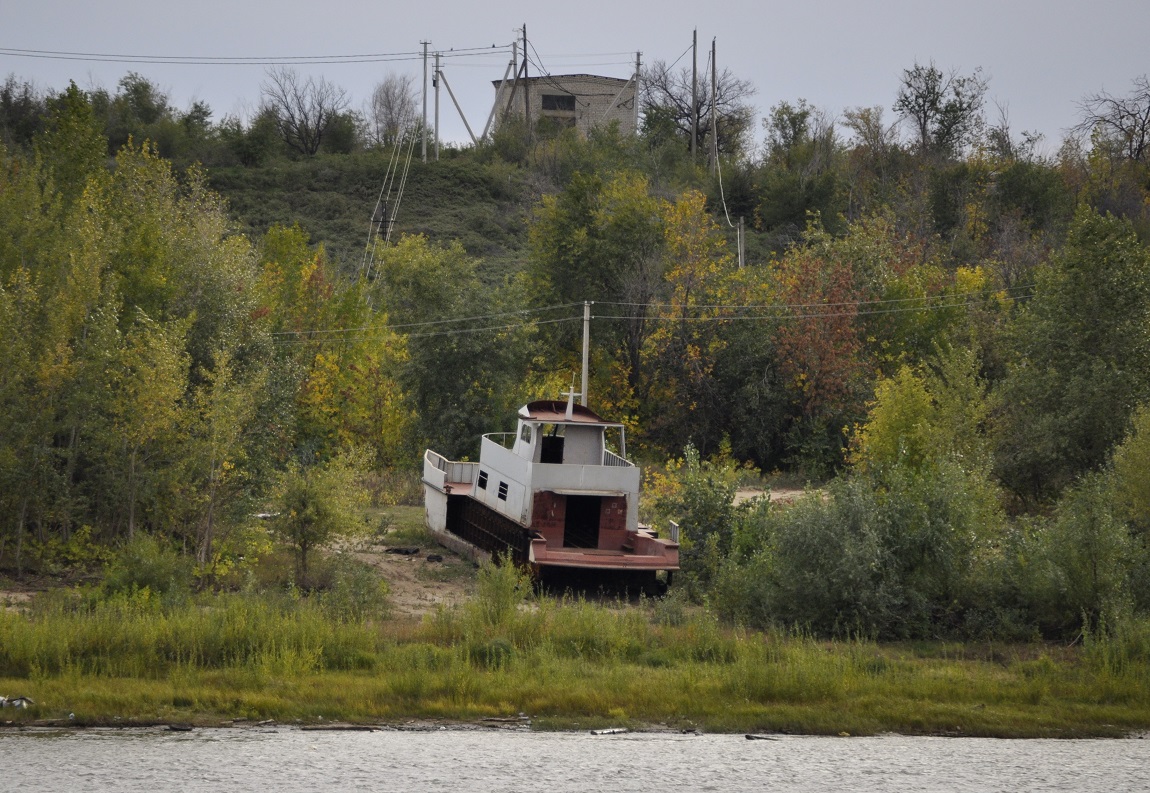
(874,160)
(800,174)
(699,496)
(1080,559)
(461,376)
(138,110)
(224,407)
(923,415)
(22,425)
(72,147)
(1081,359)
(944,110)
(22,112)
(340,363)
(318,503)
(1132,473)
(602,239)
(147,380)
(683,398)
(254,145)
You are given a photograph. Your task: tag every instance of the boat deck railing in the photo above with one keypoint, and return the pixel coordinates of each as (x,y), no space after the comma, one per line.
(438,471)
(612,459)
(504,439)
(507,441)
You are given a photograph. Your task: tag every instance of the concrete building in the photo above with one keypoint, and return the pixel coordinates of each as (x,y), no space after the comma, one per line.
(583,101)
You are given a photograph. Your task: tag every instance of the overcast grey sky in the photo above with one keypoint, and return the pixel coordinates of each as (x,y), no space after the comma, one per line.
(1041,56)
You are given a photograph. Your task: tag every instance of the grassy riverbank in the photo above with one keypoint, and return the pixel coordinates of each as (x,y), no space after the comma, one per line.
(565,664)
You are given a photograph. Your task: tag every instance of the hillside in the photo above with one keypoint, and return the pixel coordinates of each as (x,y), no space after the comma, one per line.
(332,197)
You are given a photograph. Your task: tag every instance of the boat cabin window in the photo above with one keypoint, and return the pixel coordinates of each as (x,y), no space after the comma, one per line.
(482,480)
(503,490)
(525,433)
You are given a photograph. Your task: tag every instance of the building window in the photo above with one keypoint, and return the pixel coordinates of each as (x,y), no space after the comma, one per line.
(503,491)
(559,102)
(482,480)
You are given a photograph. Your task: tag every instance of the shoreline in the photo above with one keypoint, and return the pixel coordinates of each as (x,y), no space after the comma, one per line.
(41,726)
(494,724)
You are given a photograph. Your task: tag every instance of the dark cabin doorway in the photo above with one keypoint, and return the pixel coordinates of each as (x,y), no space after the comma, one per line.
(552,449)
(581,525)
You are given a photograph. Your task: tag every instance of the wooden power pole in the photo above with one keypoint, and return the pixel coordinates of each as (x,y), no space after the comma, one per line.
(694,91)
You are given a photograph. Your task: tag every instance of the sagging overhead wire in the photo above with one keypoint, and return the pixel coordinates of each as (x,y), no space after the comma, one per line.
(428,334)
(953,302)
(783,312)
(429,323)
(1026,289)
(243,60)
(380,211)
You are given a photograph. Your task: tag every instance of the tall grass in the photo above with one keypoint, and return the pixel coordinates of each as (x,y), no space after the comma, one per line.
(133,635)
(565,662)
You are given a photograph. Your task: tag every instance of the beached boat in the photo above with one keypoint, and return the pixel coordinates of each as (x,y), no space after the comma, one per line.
(555,497)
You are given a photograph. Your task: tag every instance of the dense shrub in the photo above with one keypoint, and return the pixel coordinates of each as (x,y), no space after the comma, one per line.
(146,562)
(890,555)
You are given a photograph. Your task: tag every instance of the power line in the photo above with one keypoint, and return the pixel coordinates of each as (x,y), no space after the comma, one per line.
(589,54)
(400,326)
(429,334)
(672,66)
(958,300)
(824,315)
(240,60)
(881,301)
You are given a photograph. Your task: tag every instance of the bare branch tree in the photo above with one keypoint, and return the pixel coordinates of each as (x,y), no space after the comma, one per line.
(1000,141)
(871,132)
(392,109)
(304,109)
(666,100)
(1124,121)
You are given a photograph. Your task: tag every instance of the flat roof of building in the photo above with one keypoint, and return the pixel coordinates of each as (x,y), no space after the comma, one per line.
(553,78)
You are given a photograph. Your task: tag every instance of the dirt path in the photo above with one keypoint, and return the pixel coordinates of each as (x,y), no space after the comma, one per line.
(781,494)
(418,585)
(13,600)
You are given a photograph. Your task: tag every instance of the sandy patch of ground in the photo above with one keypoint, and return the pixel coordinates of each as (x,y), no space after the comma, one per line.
(417,585)
(14,600)
(783,495)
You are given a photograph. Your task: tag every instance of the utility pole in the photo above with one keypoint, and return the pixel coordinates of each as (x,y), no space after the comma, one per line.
(424,150)
(714,110)
(694,91)
(742,242)
(586,349)
(526,89)
(435,84)
(638,71)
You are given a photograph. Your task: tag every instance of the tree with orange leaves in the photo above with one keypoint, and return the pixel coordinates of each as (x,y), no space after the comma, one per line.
(820,352)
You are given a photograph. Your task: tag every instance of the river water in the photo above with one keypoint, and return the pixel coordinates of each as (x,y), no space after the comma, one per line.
(286,760)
